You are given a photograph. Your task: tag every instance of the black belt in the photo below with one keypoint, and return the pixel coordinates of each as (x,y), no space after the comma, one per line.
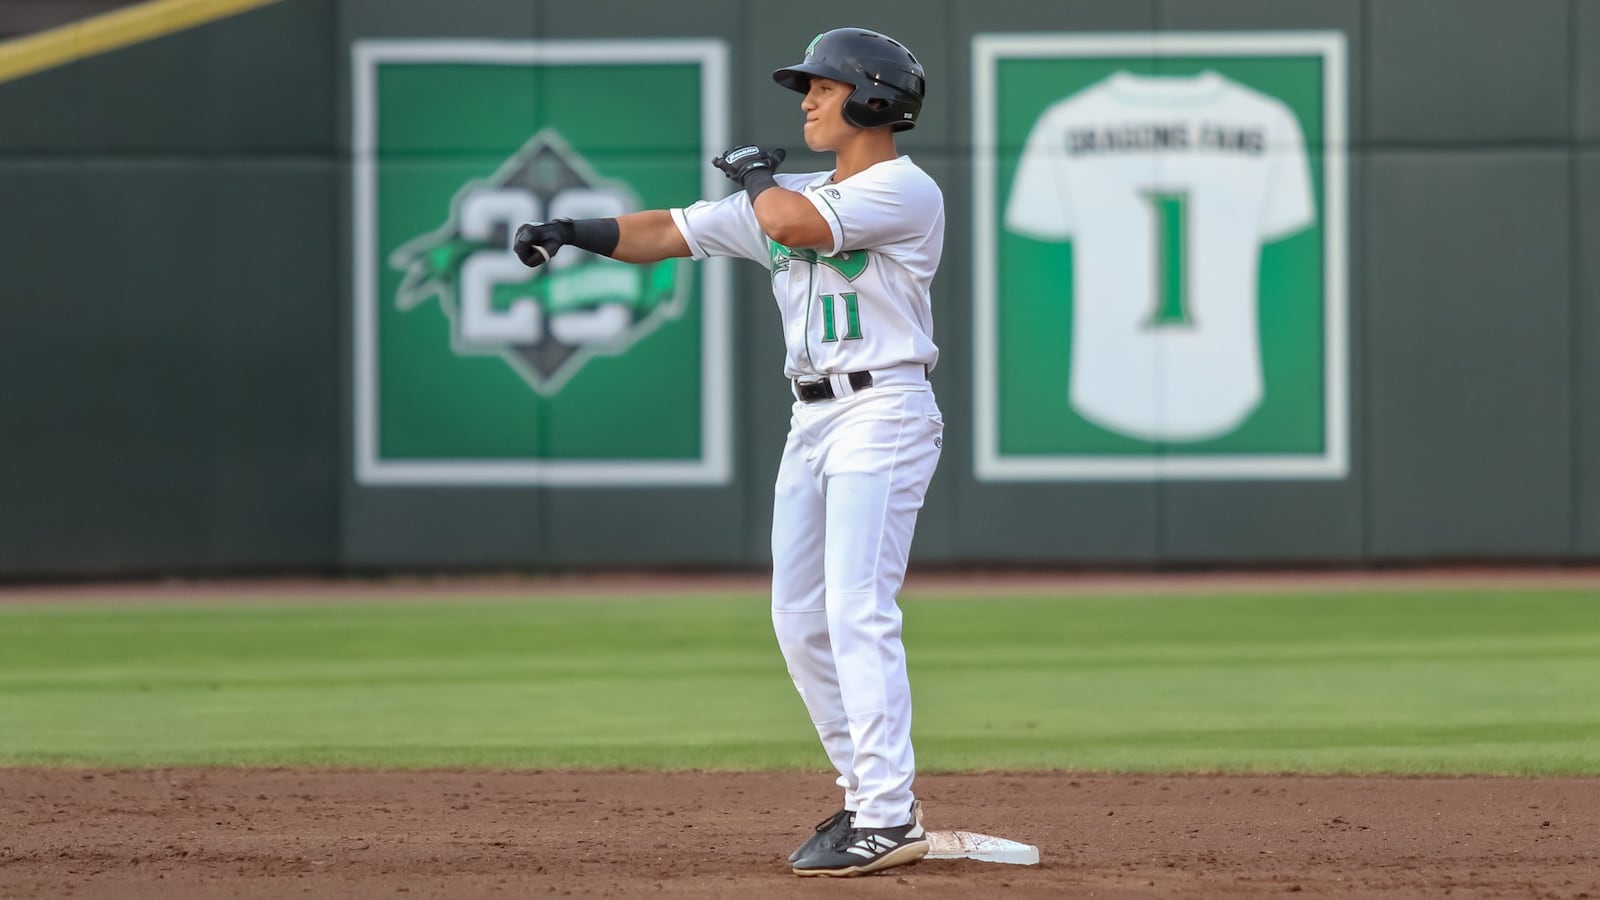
(812,391)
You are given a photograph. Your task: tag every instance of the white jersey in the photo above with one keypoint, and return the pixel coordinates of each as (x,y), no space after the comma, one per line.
(861,304)
(1167,188)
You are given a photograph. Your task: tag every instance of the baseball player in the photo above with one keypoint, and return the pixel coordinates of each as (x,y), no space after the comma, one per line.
(851,253)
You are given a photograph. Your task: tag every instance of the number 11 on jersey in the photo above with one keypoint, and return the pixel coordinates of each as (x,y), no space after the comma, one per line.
(852,318)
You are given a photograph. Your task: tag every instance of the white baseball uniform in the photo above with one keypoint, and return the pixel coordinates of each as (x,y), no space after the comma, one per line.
(1167,188)
(855,467)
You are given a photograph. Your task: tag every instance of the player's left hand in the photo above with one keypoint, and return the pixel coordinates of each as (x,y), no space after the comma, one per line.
(739,162)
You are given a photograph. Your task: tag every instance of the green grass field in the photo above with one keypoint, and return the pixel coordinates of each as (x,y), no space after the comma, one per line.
(1502,681)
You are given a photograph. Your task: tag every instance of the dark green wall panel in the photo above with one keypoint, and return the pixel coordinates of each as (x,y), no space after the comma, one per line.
(179,298)
(272,79)
(276,354)
(1586,331)
(144,431)
(430,19)
(1469,70)
(1260,15)
(258,82)
(1469,287)
(152,97)
(115,440)
(1021,16)
(174,363)
(423,528)
(1260,521)
(1076,524)
(1586,68)
(644,527)
(46,324)
(43,112)
(600,19)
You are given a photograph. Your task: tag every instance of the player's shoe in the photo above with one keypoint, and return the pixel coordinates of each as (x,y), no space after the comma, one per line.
(827,831)
(863,850)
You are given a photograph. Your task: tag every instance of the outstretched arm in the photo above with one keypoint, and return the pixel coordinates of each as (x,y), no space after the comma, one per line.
(641,237)
(649,236)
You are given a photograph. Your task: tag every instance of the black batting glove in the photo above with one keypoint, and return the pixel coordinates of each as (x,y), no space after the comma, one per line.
(751,168)
(741,162)
(536,243)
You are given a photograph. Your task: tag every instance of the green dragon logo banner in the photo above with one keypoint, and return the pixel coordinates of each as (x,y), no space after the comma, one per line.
(471,368)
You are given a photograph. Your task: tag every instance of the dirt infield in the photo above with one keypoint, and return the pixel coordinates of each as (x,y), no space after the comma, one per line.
(251,833)
(220,833)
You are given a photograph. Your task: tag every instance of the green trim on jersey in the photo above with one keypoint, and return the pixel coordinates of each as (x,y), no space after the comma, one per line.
(849,263)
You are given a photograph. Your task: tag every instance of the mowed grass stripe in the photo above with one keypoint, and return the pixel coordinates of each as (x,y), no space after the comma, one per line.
(1494,681)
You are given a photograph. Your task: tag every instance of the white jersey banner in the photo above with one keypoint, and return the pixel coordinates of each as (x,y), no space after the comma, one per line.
(1159,279)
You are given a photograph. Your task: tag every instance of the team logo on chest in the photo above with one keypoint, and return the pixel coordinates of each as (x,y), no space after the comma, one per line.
(849,263)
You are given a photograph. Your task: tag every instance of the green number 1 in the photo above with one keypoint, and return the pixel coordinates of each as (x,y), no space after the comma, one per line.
(852,318)
(1169,214)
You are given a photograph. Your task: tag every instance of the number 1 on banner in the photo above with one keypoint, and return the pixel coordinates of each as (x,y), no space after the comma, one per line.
(1169,216)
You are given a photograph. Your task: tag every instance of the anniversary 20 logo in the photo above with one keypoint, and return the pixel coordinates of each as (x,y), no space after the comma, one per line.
(471,368)
(1159,234)
(545,327)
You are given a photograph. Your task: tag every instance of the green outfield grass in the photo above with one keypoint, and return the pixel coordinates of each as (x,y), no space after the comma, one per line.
(1418,682)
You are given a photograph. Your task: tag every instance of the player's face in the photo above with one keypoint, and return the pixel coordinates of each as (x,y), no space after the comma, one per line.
(823,104)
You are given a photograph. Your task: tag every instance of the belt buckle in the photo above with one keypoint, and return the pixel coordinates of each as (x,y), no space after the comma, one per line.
(812,391)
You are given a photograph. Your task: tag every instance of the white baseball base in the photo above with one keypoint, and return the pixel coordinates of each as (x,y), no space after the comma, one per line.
(981,847)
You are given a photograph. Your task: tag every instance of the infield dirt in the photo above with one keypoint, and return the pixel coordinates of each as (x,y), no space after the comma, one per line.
(293,833)
(141,834)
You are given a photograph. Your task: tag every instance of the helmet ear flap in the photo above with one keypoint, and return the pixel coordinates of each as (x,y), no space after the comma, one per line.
(876,105)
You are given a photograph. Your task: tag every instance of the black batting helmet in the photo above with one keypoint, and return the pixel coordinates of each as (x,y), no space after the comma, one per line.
(888,80)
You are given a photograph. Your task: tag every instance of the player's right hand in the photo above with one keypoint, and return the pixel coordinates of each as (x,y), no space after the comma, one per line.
(739,162)
(537,242)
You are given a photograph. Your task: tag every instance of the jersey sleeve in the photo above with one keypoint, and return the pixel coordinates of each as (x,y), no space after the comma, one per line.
(1040,206)
(725,227)
(1287,205)
(878,208)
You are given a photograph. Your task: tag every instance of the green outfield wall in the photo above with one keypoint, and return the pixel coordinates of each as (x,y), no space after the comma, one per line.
(258,317)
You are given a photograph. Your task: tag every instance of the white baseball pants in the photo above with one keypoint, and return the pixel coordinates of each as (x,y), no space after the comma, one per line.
(853,476)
